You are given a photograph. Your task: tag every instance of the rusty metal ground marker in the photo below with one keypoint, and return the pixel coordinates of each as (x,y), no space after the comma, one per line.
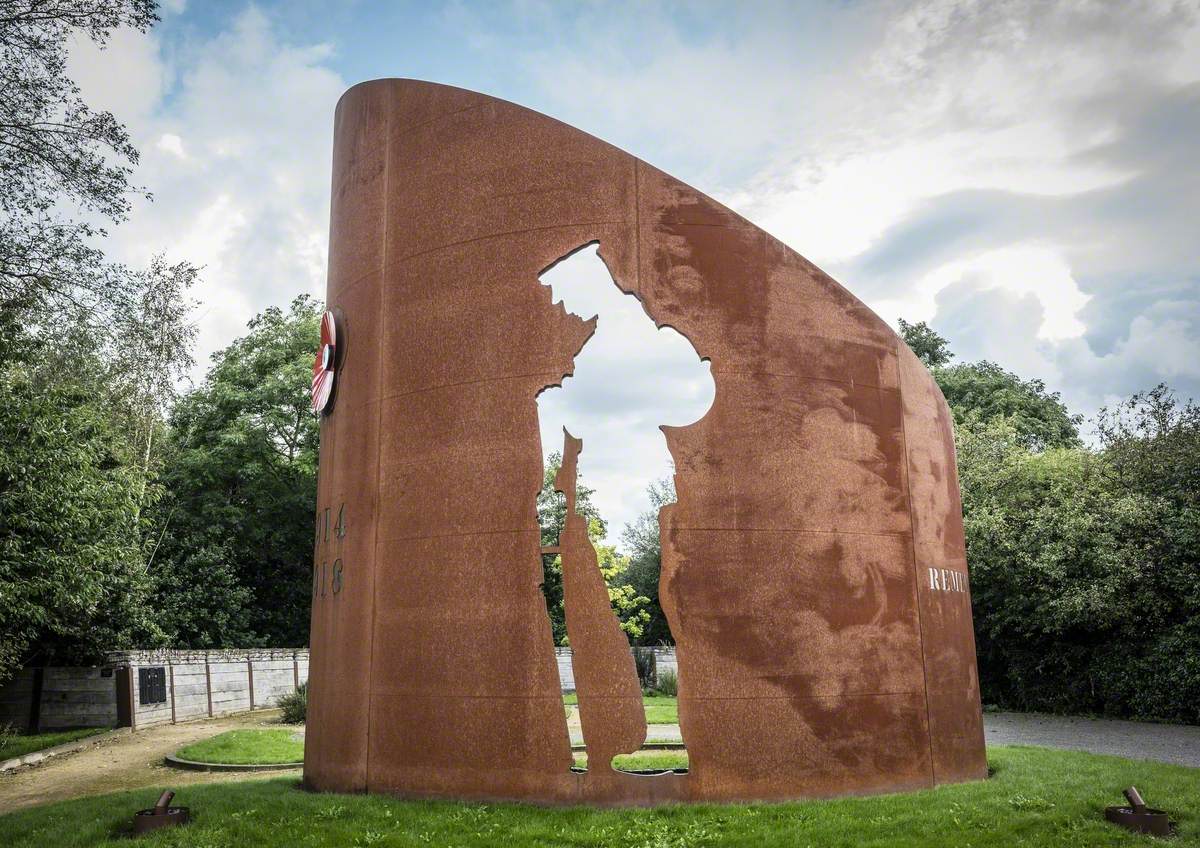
(160,815)
(1138,817)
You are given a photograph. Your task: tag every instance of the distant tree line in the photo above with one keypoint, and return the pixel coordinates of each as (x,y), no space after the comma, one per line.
(1083,558)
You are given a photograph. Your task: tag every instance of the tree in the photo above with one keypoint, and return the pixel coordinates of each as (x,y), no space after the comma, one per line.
(645,562)
(552,516)
(89,354)
(983,391)
(157,329)
(235,560)
(57,156)
(73,582)
(1152,443)
(1083,563)
(1151,450)
(929,347)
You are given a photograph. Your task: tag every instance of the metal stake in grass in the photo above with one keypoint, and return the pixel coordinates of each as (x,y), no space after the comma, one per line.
(161,814)
(1138,817)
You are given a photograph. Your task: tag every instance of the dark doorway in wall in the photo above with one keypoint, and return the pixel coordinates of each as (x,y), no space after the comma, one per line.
(124,685)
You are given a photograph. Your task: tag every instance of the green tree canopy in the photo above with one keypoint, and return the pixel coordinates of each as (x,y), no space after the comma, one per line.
(240,481)
(982,391)
(1083,563)
(644,544)
(73,582)
(90,351)
(929,347)
(627,604)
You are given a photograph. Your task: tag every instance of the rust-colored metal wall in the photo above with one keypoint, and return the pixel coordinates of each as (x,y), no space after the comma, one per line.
(813,567)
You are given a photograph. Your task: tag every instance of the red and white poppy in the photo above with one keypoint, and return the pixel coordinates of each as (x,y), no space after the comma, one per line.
(325,365)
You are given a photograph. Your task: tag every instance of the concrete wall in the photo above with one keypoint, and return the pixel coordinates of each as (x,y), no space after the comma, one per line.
(664,659)
(198,684)
(204,683)
(14,699)
(85,697)
(78,697)
(71,697)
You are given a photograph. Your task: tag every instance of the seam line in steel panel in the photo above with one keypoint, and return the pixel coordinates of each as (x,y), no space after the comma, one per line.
(507,234)
(851,383)
(379,370)
(399,693)
(637,226)
(459,535)
(734,372)
(805,697)
(468,383)
(916,575)
(898,535)
(681,223)
(386,266)
(409,130)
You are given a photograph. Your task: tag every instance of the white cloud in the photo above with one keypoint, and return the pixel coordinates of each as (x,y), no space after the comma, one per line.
(1021,157)
(171,143)
(1024,161)
(1020,269)
(836,206)
(237,158)
(127,77)
(630,378)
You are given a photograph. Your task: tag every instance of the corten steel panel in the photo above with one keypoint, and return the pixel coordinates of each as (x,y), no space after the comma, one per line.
(813,567)
(610,695)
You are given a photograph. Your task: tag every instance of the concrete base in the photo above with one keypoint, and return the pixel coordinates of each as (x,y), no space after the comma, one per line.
(192,765)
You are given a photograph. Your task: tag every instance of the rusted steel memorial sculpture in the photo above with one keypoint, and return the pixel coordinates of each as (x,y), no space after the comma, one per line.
(813,569)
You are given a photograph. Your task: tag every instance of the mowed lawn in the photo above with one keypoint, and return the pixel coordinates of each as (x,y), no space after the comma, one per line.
(660,709)
(643,760)
(20,745)
(247,747)
(1037,797)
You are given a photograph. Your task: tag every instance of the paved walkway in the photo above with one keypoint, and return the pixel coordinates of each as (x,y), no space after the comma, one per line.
(129,761)
(1168,743)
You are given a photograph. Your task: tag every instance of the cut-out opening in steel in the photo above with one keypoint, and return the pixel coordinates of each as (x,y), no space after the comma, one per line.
(629,378)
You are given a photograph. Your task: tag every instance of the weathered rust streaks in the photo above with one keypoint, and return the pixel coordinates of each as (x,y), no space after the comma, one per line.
(814,498)
(606,681)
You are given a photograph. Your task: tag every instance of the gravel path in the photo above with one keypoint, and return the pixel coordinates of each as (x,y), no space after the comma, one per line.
(127,762)
(1167,743)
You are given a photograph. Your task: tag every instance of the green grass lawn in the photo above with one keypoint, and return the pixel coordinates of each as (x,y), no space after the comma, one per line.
(644,760)
(1037,797)
(660,709)
(247,747)
(19,746)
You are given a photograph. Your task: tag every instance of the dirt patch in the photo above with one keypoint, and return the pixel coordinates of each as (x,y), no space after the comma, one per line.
(128,761)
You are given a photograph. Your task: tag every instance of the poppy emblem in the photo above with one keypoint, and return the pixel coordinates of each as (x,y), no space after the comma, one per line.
(325,366)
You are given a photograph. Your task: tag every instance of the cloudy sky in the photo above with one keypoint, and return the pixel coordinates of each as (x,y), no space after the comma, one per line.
(1022,175)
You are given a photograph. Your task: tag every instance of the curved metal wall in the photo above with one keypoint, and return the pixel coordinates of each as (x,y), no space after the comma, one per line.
(813,567)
